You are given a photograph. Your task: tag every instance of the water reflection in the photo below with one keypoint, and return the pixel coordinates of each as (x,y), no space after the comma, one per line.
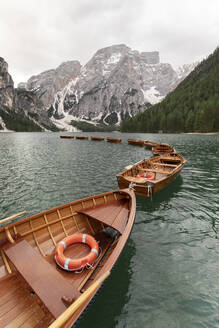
(109,305)
(160,199)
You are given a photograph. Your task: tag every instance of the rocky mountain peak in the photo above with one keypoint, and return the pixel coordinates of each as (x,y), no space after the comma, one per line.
(116,83)
(6,85)
(20,102)
(49,82)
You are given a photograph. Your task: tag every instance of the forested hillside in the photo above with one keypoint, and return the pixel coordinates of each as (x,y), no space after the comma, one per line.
(192,107)
(17,122)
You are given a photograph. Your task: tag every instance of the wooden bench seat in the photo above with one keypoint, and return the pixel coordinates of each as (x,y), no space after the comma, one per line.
(42,278)
(170,159)
(136,179)
(156,171)
(163,164)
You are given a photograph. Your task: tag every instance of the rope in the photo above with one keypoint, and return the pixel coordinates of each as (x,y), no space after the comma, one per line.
(88,265)
(91,266)
(149,185)
(132,185)
(82,269)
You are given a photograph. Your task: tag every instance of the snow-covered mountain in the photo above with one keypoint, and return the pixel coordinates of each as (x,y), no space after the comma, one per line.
(48,83)
(115,84)
(185,70)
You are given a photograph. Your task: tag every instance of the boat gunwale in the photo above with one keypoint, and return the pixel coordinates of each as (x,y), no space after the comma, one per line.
(113,258)
(175,171)
(145,160)
(53,209)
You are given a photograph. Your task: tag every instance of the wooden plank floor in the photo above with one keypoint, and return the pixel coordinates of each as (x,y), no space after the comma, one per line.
(18,307)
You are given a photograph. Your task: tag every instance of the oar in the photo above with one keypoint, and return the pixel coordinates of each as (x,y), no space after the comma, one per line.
(12,217)
(61,320)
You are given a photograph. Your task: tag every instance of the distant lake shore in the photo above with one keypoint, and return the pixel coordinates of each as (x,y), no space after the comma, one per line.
(206,133)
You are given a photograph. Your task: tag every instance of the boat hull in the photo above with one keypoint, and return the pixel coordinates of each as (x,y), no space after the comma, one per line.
(97,138)
(146,188)
(116,140)
(81,137)
(136,142)
(44,230)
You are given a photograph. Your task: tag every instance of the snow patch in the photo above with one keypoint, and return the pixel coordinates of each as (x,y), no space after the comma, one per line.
(186,69)
(65,123)
(152,95)
(60,96)
(105,119)
(72,83)
(119,118)
(2,123)
(114,58)
(84,71)
(98,117)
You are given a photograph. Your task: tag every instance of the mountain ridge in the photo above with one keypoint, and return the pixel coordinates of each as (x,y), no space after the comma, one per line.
(192,107)
(116,83)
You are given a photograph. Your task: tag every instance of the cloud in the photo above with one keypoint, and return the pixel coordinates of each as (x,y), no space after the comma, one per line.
(39,35)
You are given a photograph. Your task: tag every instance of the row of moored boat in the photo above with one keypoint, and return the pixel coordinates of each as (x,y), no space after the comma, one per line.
(53,263)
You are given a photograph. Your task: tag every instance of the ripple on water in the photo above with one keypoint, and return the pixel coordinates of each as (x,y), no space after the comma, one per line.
(167,275)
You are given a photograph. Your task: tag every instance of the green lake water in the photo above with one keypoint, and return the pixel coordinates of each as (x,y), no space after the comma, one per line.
(168,273)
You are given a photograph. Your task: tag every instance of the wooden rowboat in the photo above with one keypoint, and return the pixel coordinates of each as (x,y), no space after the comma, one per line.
(136,142)
(34,291)
(113,139)
(170,158)
(150,144)
(82,137)
(97,138)
(162,149)
(147,177)
(67,137)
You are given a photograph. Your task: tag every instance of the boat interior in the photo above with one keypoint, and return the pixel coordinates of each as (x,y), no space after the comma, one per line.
(33,289)
(154,169)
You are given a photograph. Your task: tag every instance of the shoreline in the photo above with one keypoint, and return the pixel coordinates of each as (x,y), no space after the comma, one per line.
(205,133)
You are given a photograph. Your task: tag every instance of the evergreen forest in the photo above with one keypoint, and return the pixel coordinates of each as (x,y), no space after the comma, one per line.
(192,107)
(18,122)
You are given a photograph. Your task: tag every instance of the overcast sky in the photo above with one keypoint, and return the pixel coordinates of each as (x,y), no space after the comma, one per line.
(36,35)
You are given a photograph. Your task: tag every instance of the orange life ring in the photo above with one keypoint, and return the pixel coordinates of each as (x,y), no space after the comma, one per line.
(79,263)
(147,176)
(140,176)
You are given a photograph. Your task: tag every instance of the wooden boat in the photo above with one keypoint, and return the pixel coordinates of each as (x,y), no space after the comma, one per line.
(82,137)
(113,139)
(150,144)
(97,138)
(150,176)
(169,158)
(162,149)
(67,137)
(34,290)
(136,142)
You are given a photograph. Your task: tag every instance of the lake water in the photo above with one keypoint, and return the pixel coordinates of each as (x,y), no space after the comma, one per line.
(168,273)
